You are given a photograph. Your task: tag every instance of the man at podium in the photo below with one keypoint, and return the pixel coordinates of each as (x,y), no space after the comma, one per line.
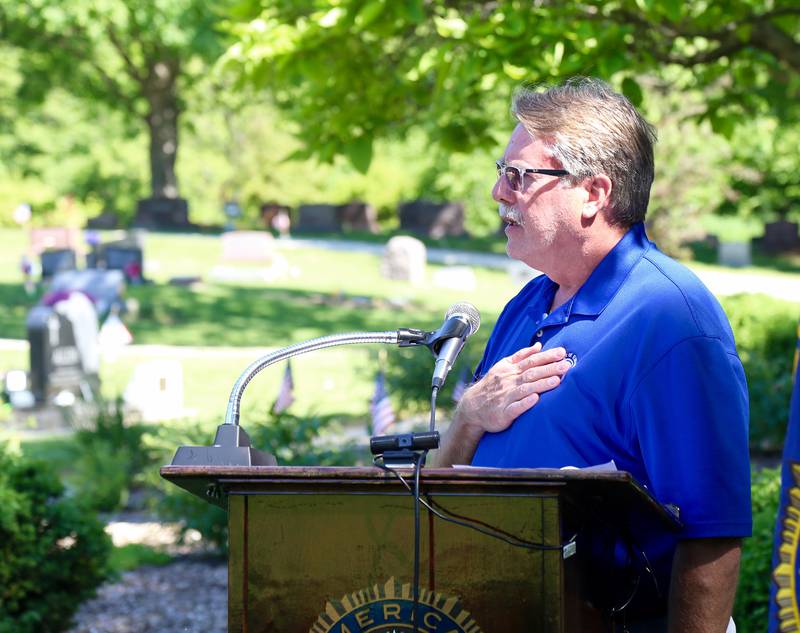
(616,352)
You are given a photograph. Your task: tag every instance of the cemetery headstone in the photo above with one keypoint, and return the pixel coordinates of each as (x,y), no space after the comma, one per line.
(455,278)
(248,246)
(103,286)
(269,211)
(64,355)
(359,216)
(156,390)
(323,218)
(780,237)
(432,219)
(127,258)
(404,259)
(734,254)
(53,238)
(56,260)
(162,213)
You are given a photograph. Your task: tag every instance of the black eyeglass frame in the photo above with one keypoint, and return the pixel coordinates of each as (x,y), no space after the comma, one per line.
(503,167)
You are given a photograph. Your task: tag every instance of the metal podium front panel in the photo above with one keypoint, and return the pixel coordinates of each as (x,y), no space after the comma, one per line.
(343,563)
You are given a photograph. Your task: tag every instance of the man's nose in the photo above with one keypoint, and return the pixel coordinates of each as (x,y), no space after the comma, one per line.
(501,192)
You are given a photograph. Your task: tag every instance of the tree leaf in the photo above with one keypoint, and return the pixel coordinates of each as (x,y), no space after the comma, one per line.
(360,153)
(632,90)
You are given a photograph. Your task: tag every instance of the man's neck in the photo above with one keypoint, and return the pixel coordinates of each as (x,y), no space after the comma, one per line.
(581,265)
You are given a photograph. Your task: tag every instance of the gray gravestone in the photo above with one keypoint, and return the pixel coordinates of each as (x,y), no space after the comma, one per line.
(432,219)
(780,237)
(172,213)
(57,260)
(63,351)
(125,257)
(734,254)
(359,216)
(323,218)
(404,259)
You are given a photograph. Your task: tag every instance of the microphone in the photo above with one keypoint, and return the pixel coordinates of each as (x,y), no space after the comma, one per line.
(461,321)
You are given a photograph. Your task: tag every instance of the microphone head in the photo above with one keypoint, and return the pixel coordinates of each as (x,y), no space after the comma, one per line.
(467,313)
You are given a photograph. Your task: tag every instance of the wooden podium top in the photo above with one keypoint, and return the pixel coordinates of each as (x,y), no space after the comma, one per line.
(613,489)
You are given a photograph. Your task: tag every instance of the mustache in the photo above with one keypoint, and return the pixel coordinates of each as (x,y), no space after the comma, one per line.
(509,214)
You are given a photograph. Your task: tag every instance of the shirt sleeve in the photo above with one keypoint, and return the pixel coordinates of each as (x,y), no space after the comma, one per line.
(689,414)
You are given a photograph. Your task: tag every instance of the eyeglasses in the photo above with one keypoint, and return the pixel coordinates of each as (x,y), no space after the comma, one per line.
(514,175)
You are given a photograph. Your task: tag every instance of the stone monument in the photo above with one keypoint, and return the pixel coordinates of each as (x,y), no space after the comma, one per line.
(404,259)
(322,218)
(162,213)
(432,219)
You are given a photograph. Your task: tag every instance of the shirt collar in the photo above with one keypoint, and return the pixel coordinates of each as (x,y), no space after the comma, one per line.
(606,279)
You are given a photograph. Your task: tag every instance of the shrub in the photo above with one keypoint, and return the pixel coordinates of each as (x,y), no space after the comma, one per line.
(765,331)
(409,371)
(112,455)
(752,597)
(53,553)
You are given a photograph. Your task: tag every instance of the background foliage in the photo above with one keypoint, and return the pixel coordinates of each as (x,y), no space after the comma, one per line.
(53,551)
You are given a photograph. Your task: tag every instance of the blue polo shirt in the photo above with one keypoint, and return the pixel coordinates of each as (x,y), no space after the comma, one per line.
(656,385)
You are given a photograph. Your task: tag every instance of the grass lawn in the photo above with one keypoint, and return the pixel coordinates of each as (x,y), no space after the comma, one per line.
(327,292)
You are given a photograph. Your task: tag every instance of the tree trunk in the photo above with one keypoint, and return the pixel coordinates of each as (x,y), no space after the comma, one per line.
(162,121)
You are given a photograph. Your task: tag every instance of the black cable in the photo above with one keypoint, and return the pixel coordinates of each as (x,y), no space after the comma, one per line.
(434,394)
(420,459)
(417,467)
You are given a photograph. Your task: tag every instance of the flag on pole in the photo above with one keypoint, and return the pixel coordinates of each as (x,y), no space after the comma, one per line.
(381,407)
(783,603)
(461,385)
(286,392)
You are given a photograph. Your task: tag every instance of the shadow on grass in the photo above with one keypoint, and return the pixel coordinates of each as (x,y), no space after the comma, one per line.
(228,315)
(252,316)
(15,306)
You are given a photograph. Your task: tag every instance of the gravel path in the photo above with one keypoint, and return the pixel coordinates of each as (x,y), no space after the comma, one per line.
(186,596)
(189,595)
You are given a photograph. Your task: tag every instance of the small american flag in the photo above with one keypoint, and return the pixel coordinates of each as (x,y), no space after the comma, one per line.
(381,407)
(461,385)
(286,392)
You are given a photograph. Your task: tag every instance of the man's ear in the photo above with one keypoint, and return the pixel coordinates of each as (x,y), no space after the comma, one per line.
(598,189)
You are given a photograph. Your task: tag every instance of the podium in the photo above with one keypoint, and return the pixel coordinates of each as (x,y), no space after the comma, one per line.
(330,550)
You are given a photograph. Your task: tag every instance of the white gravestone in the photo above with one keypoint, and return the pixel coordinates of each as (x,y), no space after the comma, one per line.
(455,278)
(156,390)
(404,259)
(247,246)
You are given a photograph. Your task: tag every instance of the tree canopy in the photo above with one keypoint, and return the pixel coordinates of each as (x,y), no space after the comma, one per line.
(353,70)
(135,56)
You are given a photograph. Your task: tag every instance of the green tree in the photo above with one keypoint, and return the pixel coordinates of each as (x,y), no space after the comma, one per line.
(355,70)
(135,56)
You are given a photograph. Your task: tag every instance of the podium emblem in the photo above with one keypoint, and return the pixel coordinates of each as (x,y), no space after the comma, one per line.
(388,609)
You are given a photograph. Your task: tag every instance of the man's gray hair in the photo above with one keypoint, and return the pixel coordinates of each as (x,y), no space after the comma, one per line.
(591,130)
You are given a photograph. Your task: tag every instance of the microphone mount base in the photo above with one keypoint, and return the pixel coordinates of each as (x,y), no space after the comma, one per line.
(231,448)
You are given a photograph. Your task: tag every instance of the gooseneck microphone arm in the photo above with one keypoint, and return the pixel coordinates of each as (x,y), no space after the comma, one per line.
(402,337)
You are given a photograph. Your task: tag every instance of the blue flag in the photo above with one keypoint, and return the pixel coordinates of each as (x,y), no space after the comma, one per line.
(784,614)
